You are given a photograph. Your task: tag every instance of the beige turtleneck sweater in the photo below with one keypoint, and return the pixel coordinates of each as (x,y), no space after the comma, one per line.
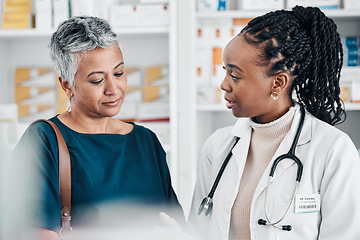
(265,140)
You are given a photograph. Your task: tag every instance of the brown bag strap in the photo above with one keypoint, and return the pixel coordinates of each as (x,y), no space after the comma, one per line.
(64,178)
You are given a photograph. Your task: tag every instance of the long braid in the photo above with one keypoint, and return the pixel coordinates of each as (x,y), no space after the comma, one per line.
(305,42)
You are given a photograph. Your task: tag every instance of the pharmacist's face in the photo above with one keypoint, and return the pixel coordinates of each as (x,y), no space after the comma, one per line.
(99,83)
(246,85)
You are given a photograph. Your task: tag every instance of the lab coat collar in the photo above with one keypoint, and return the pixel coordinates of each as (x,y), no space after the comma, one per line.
(242,129)
(242,126)
(305,137)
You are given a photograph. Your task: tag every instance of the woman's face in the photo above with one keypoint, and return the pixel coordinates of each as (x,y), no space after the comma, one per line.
(99,83)
(246,85)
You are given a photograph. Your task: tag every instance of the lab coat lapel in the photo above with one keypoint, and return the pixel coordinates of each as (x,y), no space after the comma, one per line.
(284,147)
(242,129)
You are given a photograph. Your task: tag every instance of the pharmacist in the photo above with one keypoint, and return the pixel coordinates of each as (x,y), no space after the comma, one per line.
(282,171)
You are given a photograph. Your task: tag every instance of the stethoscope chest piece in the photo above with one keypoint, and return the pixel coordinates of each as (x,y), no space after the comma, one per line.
(206,206)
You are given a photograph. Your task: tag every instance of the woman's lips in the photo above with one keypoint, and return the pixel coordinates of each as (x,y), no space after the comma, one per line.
(112,103)
(230,104)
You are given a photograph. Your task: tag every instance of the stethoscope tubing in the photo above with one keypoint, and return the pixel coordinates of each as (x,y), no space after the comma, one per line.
(207,201)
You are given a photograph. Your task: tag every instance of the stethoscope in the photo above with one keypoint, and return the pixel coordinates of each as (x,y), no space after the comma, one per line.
(207,204)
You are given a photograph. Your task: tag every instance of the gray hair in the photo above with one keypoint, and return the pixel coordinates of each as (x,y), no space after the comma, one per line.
(75,36)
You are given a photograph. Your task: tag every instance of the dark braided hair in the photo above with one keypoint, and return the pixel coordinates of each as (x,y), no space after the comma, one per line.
(306,43)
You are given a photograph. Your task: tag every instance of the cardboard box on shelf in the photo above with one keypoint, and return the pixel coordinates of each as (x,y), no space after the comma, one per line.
(133,94)
(125,15)
(37,94)
(209,94)
(16,21)
(153,112)
(17,6)
(345,93)
(322,4)
(161,129)
(351,4)
(355,91)
(218,74)
(156,73)
(261,4)
(43,14)
(60,11)
(134,76)
(154,14)
(156,93)
(80,7)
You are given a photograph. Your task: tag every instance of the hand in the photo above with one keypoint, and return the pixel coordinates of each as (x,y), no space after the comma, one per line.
(171,229)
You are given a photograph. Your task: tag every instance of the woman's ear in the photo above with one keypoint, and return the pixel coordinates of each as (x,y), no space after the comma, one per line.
(65,85)
(281,83)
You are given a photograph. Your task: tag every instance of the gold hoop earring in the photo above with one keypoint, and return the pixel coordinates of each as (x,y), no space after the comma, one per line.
(274,96)
(68,108)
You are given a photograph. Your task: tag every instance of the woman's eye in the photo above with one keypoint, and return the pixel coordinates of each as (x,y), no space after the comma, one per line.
(97,82)
(233,77)
(118,74)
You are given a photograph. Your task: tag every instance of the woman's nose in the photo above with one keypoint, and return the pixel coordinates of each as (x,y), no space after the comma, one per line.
(111,86)
(225,86)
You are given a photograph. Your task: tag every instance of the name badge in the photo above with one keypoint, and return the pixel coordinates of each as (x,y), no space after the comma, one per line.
(307,203)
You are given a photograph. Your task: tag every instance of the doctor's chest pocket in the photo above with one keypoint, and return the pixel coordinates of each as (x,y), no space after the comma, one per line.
(301,216)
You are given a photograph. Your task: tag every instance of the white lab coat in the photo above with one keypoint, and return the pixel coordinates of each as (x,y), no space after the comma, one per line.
(331,168)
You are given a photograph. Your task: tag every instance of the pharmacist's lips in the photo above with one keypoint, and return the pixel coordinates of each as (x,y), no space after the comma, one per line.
(228,100)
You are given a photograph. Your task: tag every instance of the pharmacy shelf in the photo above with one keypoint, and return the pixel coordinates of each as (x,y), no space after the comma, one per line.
(337,14)
(16,33)
(222,108)
(352,106)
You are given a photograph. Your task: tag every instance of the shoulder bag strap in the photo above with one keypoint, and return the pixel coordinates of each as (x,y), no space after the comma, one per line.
(64,178)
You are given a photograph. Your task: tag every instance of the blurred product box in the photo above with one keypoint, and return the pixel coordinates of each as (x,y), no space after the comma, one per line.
(355,91)
(60,11)
(349,74)
(153,1)
(261,4)
(345,94)
(16,21)
(209,95)
(17,6)
(212,5)
(134,76)
(156,93)
(35,93)
(80,7)
(16,14)
(218,74)
(154,14)
(124,16)
(61,98)
(202,75)
(161,129)
(154,112)
(100,8)
(8,129)
(351,4)
(157,75)
(43,14)
(128,111)
(134,94)
(322,4)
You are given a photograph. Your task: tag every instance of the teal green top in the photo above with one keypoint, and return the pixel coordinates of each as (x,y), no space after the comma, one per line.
(120,170)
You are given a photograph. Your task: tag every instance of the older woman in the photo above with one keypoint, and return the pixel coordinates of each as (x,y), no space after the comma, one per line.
(111,161)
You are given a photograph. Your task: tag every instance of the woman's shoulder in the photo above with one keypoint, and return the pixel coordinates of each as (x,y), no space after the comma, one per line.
(40,127)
